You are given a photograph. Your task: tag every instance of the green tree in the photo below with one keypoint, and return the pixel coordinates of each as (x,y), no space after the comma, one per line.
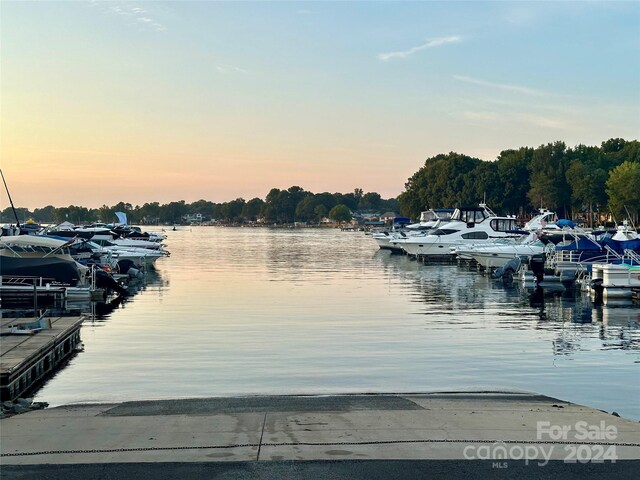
(45,215)
(370,201)
(252,209)
(623,189)
(548,183)
(340,213)
(232,211)
(513,178)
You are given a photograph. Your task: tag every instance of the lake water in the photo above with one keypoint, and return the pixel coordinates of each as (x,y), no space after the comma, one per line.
(237,311)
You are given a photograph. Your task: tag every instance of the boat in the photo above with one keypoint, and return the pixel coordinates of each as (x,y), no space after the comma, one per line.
(496,255)
(38,256)
(615,280)
(398,225)
(468,225)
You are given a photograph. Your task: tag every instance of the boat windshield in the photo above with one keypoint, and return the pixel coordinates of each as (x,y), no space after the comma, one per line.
(473,215)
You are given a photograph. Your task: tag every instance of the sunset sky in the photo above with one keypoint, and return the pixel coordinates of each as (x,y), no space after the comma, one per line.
(138,102)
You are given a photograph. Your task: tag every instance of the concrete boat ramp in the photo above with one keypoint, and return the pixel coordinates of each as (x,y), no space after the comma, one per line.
(455,435)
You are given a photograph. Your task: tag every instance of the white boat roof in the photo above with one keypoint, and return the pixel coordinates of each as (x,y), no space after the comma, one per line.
(32,240)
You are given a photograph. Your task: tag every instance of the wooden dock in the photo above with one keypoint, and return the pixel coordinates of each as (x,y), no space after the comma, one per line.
(26,359)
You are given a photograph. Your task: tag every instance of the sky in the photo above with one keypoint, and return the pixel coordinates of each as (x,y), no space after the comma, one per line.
(102,102)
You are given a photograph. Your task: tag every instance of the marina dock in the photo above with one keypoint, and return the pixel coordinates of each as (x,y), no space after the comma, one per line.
(31,349)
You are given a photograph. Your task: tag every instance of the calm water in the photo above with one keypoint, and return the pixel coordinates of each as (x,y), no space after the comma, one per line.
(257,311)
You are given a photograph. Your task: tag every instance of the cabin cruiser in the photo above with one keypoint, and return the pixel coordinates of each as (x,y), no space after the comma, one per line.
(496,255)
(100,233)
(398,225)
(467,225)
(36,256)
(429,219)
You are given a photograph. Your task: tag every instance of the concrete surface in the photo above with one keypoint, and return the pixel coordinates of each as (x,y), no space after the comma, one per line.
(322,434)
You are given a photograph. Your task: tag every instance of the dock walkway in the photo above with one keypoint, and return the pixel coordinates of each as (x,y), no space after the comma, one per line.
(25,360)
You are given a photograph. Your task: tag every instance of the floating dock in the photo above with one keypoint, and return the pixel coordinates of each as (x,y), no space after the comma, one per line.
(28,354)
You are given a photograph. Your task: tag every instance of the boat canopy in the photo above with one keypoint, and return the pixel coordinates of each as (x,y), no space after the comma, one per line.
(32,240)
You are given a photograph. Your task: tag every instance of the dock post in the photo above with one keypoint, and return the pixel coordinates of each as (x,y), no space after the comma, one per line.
(35,299)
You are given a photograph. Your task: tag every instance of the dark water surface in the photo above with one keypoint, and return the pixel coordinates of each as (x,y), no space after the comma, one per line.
(238,311)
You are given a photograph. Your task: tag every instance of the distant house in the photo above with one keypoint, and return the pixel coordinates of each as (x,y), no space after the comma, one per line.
(388,217)
(149,220)
(193,218)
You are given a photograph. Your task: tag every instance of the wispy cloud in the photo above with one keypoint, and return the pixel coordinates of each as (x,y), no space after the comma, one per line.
(228,69)
(545,122)
(500,86)
(435,42)
(480,116)
(134,16)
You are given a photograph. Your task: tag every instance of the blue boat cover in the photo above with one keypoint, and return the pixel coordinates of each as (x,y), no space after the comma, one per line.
(621,245)
(581,243)
(565,223)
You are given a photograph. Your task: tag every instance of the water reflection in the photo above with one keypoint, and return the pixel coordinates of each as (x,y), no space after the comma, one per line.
(450,288)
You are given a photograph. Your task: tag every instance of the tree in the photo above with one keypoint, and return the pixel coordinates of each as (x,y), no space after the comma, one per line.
(548,182)
(232,211)
(340,213)
(370,201)
(513,176)
(444,180)
(623,189)
(252,209)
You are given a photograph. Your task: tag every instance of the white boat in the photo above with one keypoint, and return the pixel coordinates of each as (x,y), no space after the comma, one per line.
(614,280)
(467,225)
(496,255)
(139,257)
(429,220)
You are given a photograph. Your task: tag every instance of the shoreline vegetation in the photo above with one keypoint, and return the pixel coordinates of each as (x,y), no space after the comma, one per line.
(586,183)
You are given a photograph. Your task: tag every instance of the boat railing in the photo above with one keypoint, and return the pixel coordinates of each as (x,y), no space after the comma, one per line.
(632,255)
(26,281)
(613,252)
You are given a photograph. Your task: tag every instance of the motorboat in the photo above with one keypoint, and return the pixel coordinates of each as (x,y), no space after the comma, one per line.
(429,219)
(37,256)
(496,255)
(468,225)
(398,225)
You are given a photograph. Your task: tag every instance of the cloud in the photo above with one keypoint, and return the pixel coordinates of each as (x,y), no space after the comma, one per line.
(480,116)
(501,86)
(134,15)
(228,69)
(543,121)
(436,42)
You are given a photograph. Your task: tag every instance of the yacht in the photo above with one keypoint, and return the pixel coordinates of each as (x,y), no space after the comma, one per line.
(496,255)
(429,219)
(468,225)
(36,256)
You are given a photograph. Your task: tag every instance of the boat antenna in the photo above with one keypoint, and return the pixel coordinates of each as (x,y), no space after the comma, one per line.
(630,219)
(10,201)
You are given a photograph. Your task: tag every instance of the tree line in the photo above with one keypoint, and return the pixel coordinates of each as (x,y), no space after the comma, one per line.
(584,181)
(280,206)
